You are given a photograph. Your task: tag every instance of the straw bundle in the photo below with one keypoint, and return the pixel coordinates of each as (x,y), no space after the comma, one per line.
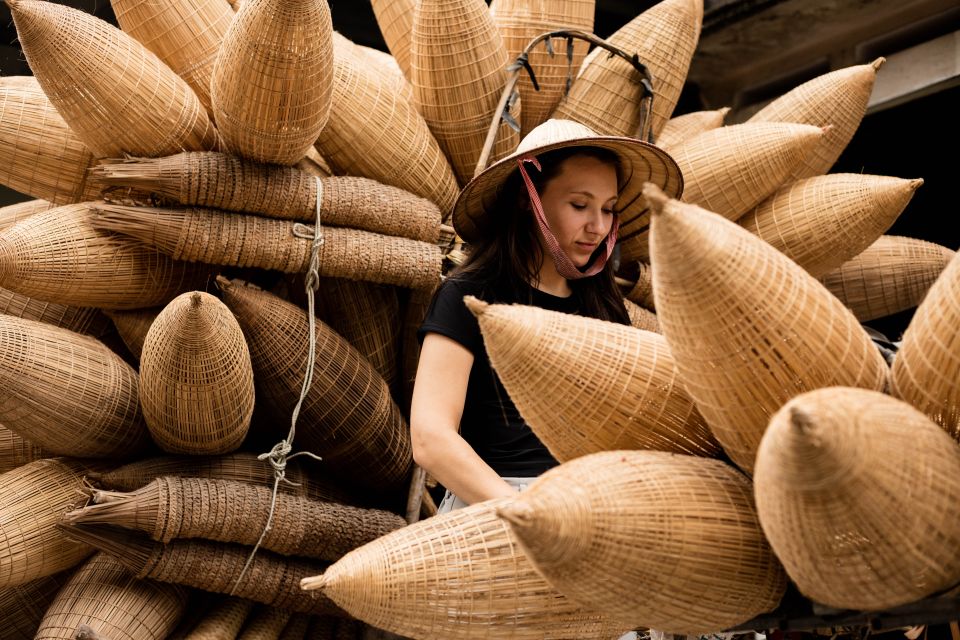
(117,96)
(519,22)
(606,95)
(133,327)
(227,182)
(459,575)
(822,222)
(16,451)
(839,99)
(348,416)
(642,291)
(79,319)
(458,69)
(682,128)
(273,79)
(650,538)
(926,372)
(14,213)
(857,493)
(749,328)
(640,318)
(22,607)
(395,18)
(585,385)
(223,621)
(891,275)
(102,595)
(265,623)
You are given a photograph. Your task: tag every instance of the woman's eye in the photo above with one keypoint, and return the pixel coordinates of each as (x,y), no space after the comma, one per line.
(578,205)
(610,212)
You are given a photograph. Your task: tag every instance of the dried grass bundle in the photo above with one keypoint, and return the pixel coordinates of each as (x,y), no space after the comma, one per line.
(265,623)
(22,607)
(14,213)
(640,318)
(133,327)
(223,621)
(85,320)
(395,19)
(16,451)
(682,128)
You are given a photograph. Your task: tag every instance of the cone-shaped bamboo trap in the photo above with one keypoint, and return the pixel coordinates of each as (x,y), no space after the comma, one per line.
(682,128)
(651,538)
(117,96)
(606,94)
(223,620)
(382,63)
(273,79)
(395,19)
(749,328)
(265,623)
(642,292)
(858,494)
(14,213)
(104,596)
(459,575)
(22,607)
(585,385)
(822,222)
(196,378)
(16,451)
(838,99)
(641,318)
(133,327)
(222,181)
(891,275)
(79,319)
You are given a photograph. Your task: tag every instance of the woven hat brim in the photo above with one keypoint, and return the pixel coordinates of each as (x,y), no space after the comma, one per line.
(640,162)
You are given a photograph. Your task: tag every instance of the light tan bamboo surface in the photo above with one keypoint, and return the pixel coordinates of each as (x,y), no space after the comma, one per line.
(585,385)
(133,327)
(223,620)
(14,213)
(838,99)
(681,128)
(606,95)
(458,575)
(642,292)
(519,22)
(822,222)
(891,275)
(926,372)
(265,623)
(227,182)
(858,494)
(79,319)
(185,35)
(273,79)
(102,595)
(16,451)
(22,607)
(654,539)
(384,64)
(395,19)
(43,158)
(641,318)
(117,96)
(749,328)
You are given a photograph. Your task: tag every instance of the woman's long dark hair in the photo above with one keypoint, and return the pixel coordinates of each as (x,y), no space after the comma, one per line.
(509,256)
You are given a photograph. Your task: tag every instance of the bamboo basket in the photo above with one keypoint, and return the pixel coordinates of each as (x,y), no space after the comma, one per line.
(822,222)
(22,607)
(395,19)
(891,275)
(85,320)
(133,327)
(459,575)
(650,538)
(585,385)
(223,621)
(388,68)
(858,494)
(102,595)
(682,128)
(458,67)
(606,95)
(117,96)
(227,182)
(14,213)
(16,451)
(519,22)
(640,318)
(838,99)
(926,372)
(265,623)
(273,79)
(749,328)
(642,291)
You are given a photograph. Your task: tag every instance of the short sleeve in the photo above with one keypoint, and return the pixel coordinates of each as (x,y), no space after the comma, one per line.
(449,316)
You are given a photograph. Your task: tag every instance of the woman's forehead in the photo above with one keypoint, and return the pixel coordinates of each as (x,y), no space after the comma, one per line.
(584,173)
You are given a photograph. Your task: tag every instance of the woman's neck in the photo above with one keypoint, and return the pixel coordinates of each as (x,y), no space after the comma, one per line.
(550,281)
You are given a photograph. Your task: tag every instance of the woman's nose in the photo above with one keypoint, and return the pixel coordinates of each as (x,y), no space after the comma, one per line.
(597,222)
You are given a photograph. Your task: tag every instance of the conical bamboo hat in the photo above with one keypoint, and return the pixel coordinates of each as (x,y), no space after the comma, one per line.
(14,213)
(749,328)
(681,128)
(22,607)
(133,327)
(16,451)
(859,495)
(395,18)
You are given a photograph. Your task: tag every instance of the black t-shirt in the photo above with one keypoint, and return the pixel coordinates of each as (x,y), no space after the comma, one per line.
(491,423)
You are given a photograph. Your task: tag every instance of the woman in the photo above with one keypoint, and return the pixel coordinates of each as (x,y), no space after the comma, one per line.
(542,225)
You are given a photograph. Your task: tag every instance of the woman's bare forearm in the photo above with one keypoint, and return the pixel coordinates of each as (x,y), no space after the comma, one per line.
(454,463)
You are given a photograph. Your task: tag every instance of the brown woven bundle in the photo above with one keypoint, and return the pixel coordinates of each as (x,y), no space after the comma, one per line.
(838,99)
(22,607)
(459,575)
(79,319)
(414,311)
(265,623)
(16,451)
(891,275)
(14,213)
(133,327)
(640,318)
(222,181)
(651,538)
(117,96)
(296,628)
(330,628)
(68,393)
(606,95)
(102,595)
(348,416)
(681,128)
(395,19)
(223,621)
(642,291)
(859,495)
(749,328)
(314,164)
(585,385)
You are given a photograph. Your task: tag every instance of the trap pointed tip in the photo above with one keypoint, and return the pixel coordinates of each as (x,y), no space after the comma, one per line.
(916,183)
(800,420)
(517,513)
(876,64)
(655,197)
(224,283)
(314,583)
(476,306)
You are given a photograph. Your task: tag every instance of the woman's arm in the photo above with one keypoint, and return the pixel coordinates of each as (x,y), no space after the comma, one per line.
(438,396)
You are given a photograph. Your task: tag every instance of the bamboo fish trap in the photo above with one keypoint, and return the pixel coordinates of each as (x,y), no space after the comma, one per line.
(749,328)
(682,128)
(223,621)
(14,213)
(265,623)
(640,318)
(858,494)
(85,320)
(395,18)
(383,64)
(651,538)
(642,291)
(16,451)
(133,327)
(22,607)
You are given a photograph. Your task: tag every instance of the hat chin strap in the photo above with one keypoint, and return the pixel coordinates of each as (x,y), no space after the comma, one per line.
(565,266)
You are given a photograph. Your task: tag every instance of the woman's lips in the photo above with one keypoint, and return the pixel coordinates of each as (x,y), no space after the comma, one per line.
(586,246)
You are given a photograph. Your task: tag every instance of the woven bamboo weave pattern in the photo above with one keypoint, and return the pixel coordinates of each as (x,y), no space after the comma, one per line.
(858,494)
(749,328)
(395,18)
(606,94)
(265,623)
(133,327)
(641,318)
(585,385)
(822,222)
(79,319)
(14,213)
(388,68)
(273,79)
(223,621)
(681,128)
(642,291)
(891,275)
(414,311)
(102,595)
(117,96)
(459,575)
(314,164)
(16,451)
(22,607)
(651,538)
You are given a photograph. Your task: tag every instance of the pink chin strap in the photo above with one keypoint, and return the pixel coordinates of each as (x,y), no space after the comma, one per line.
(565,266)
